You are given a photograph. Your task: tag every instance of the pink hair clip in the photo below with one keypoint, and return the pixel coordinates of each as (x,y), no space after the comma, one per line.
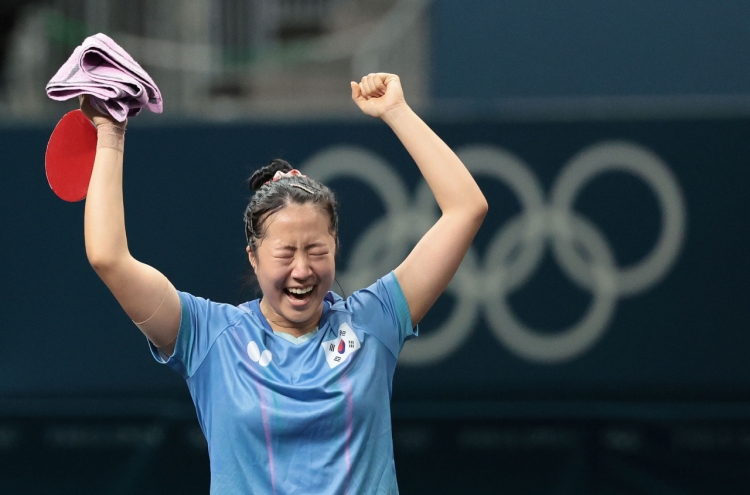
(292,173)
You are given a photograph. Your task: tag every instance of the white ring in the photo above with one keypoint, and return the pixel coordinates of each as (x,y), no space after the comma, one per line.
(610,156)
(515,252)
(573,341)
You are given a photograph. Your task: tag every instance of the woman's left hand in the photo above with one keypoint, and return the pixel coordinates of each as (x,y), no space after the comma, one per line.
(378,94)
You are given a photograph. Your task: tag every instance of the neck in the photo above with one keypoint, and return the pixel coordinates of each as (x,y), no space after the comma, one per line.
(280,324)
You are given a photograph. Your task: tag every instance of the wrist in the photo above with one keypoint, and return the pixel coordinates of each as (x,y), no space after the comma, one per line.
(111,135)
(395,113)
(100,121)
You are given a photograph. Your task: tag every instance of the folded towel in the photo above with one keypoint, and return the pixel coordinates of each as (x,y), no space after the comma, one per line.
(117,84)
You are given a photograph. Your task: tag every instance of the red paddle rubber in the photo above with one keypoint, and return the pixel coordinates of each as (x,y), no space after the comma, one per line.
(70,156)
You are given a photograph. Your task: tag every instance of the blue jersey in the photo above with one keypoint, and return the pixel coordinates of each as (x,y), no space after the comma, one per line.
(280,418)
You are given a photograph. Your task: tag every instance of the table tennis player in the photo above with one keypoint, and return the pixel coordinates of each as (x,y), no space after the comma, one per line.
(292,390)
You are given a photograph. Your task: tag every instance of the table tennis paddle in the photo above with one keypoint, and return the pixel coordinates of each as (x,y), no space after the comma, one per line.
(70,155)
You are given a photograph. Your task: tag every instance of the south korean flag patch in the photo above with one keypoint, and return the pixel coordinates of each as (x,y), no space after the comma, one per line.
(338,350)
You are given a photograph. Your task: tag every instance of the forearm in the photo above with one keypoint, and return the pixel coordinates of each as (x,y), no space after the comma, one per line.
(145,294)
(428,269)
(104,218)
(454,188)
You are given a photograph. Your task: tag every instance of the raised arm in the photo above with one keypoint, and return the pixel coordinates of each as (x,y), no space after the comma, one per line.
(428,269)
(144,293)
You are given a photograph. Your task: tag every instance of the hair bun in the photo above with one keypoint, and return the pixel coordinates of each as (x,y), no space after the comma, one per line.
(263,175)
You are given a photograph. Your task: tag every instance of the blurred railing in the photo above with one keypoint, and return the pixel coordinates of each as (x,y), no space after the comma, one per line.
(226,58)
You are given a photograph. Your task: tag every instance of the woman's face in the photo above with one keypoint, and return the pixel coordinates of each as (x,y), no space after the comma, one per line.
(295,267)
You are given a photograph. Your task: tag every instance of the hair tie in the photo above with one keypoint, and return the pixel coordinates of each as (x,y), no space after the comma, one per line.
(281,175)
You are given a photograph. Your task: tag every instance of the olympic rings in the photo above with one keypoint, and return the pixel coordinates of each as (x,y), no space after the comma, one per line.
(485,285)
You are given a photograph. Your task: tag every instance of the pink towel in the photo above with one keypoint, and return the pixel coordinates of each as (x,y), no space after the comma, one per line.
(117,84)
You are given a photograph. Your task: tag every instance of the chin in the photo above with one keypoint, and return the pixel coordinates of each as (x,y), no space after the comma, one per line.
(301,312)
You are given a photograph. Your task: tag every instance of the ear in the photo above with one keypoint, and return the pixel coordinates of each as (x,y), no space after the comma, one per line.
(250,257)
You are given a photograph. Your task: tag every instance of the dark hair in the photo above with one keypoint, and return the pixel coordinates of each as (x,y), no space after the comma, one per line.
(273,195)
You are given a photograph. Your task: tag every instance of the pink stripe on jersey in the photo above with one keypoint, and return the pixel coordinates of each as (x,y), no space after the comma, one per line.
(264,413)
(267,430)
(349,421)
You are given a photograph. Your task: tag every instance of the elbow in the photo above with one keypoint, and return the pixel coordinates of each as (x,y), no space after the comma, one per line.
(483,207)
(480,209)
(472,211)
(102,262)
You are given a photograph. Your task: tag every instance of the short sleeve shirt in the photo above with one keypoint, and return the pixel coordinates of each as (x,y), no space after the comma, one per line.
(280,418)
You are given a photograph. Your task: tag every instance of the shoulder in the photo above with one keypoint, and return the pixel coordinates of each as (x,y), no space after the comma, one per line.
(370,304)
(201,311)
(379,310)
(204,324)
(387,284)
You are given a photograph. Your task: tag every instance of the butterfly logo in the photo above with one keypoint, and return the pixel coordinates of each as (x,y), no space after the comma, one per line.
(262,358)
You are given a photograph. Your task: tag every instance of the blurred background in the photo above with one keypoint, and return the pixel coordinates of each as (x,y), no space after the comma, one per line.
(596,338)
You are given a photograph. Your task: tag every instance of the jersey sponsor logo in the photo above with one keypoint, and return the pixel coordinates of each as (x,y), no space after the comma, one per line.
(338,349)
(262,358)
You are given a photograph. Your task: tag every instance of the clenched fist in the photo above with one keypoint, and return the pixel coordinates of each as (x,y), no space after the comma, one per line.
(378,94)
(95,116)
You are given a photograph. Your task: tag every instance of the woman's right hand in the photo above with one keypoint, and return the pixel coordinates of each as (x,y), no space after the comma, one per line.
(95,116)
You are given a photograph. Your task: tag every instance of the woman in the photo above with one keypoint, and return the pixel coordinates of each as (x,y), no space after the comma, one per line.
(293,390)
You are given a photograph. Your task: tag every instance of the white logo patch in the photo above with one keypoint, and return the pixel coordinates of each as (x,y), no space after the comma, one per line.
(338,350)
(262,358)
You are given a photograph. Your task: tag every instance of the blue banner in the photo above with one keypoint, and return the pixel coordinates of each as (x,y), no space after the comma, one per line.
(612,263)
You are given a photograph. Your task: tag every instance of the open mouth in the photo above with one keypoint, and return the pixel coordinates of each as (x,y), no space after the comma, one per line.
(299,293)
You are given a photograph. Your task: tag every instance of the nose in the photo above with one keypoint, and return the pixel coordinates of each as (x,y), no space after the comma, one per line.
(302,269)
